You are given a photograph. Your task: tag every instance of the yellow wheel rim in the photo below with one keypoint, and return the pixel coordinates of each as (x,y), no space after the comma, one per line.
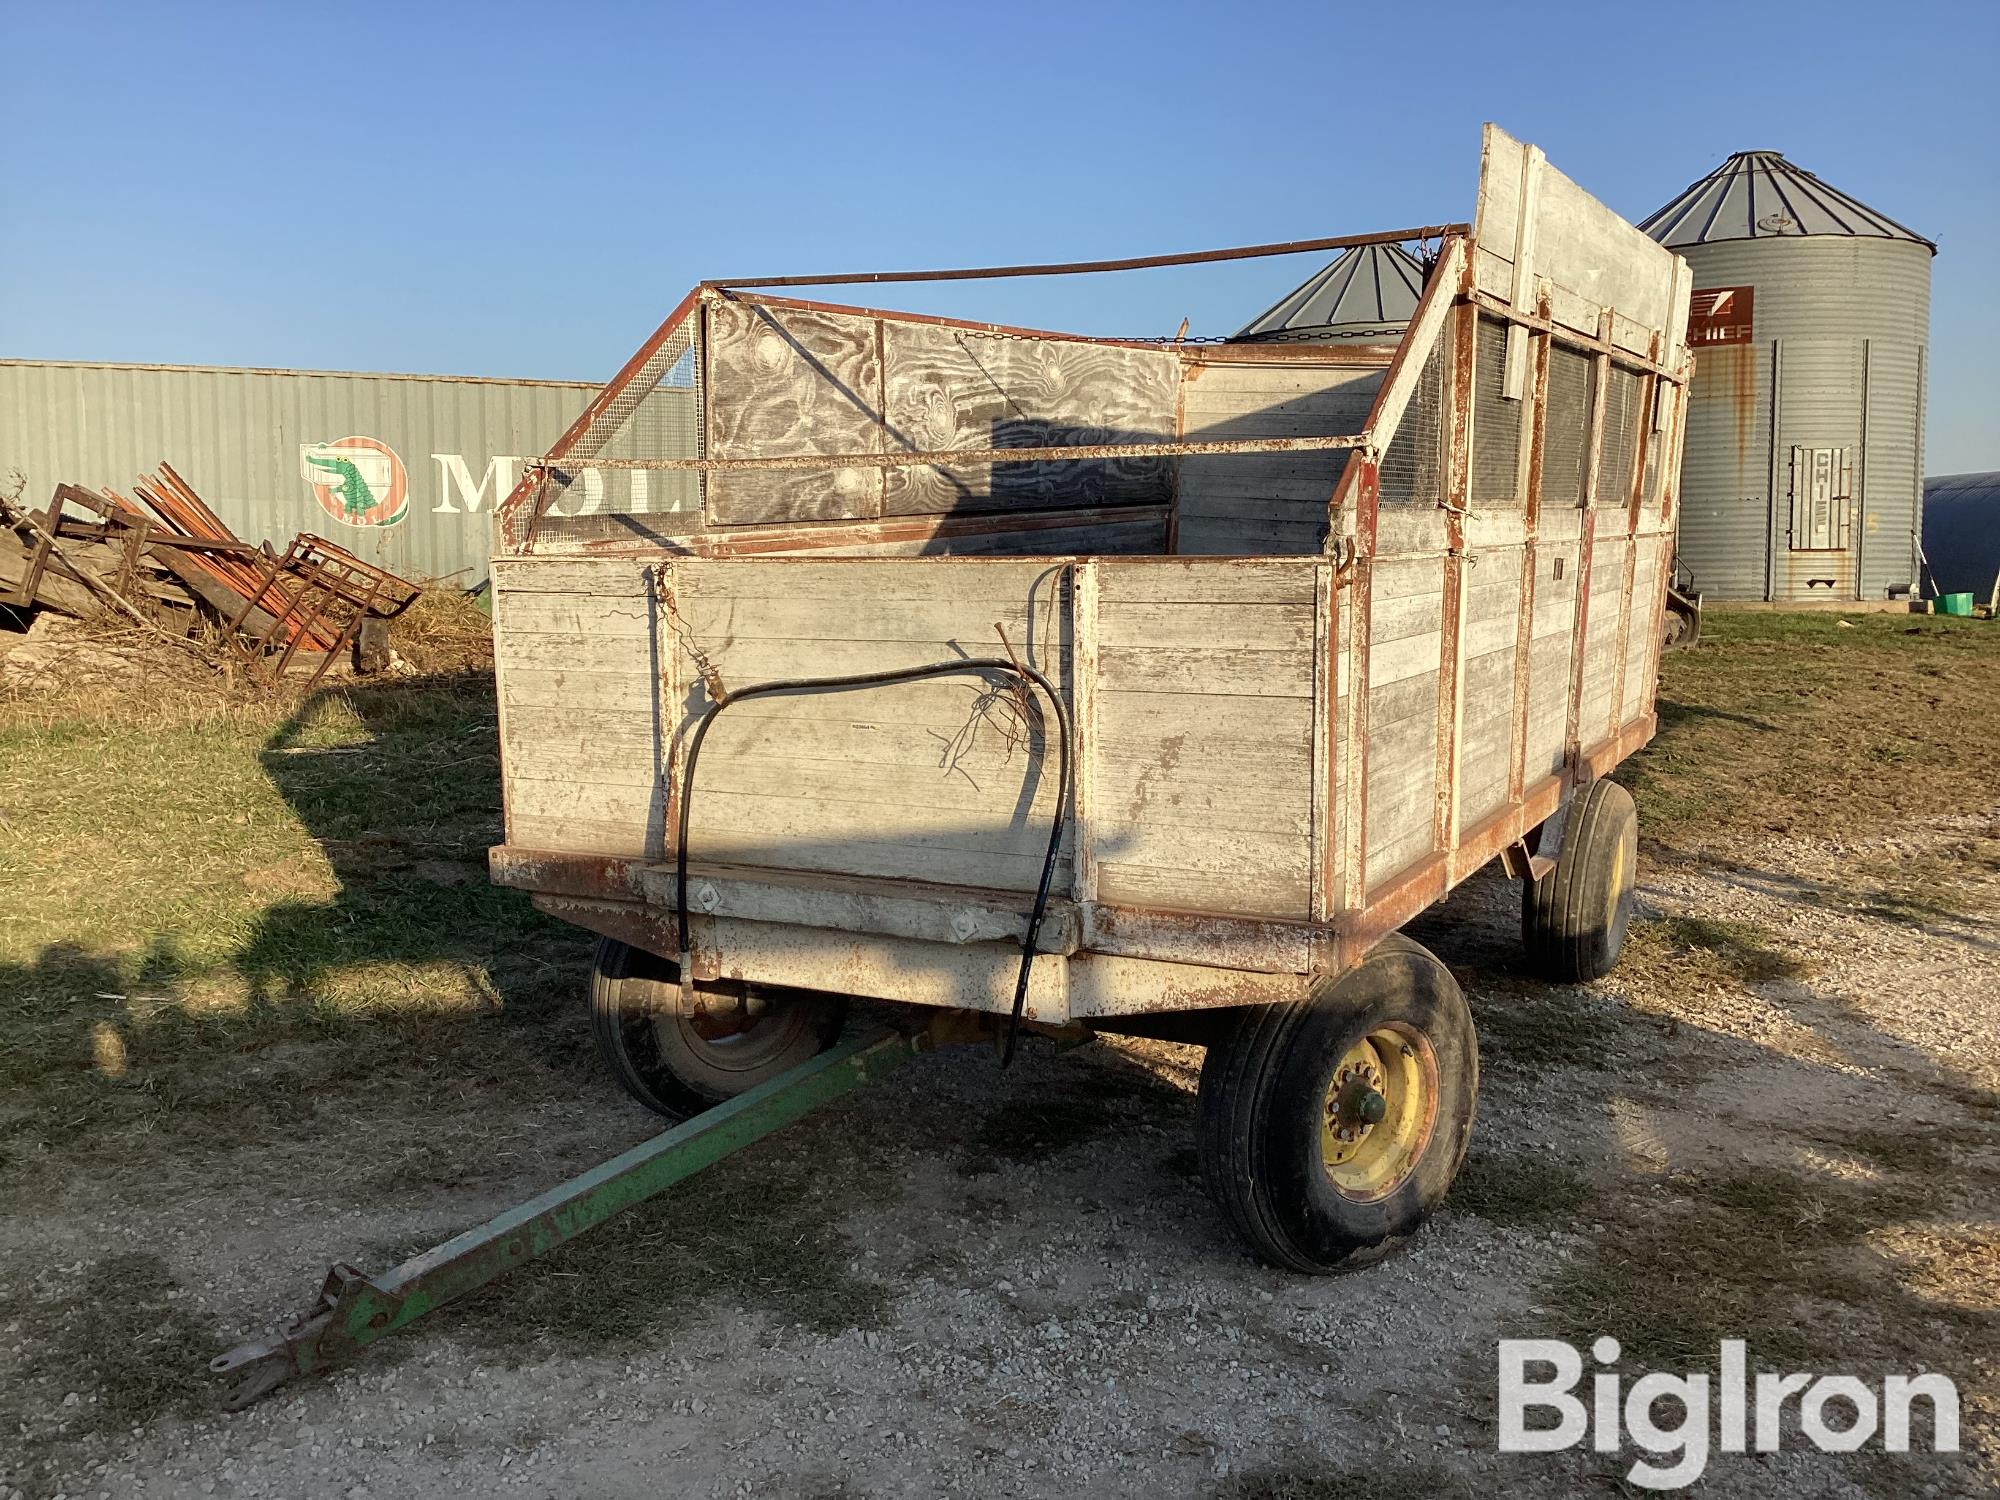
(1380,1105)
(1618,887)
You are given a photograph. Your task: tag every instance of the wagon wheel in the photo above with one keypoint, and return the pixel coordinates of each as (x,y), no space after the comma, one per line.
(680,1061)
(1328,1130)
(1573,919)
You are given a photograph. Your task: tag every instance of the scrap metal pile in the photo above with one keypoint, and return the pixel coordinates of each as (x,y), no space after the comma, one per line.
(170,563)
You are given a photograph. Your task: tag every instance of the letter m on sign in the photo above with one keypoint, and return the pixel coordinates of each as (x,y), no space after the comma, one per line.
(454,477)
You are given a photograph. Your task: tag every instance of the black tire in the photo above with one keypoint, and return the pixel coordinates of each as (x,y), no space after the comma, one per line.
(679,1065)
(1266,1112)
(1573,919)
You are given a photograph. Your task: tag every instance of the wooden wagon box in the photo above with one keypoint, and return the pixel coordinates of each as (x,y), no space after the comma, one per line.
(1290,637)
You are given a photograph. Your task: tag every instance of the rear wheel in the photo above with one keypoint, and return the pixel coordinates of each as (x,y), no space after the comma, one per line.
(679,1061)
(1329,1130)
(1573,919)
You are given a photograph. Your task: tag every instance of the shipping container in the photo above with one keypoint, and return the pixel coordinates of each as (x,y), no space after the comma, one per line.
(433,454)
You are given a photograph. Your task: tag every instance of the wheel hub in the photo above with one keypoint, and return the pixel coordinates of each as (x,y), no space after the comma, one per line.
(1380,1104)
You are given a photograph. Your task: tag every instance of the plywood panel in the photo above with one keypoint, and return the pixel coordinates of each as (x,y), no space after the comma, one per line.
(962,388)
(785,381)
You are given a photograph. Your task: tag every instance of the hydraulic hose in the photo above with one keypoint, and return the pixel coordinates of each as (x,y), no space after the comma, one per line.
(970,666)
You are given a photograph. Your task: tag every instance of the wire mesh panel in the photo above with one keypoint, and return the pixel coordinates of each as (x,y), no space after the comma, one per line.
(656,414)
(1413,465)
(1622,415)
(1566,441)
(1496,421)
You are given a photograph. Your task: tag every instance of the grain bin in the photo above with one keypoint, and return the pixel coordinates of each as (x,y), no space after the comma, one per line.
(1803,474)
(1368,296)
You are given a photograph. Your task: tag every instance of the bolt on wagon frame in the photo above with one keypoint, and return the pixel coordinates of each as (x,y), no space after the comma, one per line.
(1084,684)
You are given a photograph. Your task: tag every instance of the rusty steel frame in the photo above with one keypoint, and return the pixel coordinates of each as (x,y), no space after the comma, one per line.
(530,493)
(1087,267)
(965,457)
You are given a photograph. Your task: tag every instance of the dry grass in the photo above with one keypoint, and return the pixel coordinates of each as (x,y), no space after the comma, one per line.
(445,631)
(1707,949)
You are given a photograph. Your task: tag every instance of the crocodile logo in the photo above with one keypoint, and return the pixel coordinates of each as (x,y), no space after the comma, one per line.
(359,481)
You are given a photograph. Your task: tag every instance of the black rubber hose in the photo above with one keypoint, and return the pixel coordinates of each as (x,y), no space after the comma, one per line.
(971,666)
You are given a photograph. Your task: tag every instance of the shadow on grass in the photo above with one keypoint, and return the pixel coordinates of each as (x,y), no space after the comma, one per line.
(416,974)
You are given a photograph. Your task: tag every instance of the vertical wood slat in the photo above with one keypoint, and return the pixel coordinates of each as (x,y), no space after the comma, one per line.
(1456,492)
(1531,520)
(667,706)
(500,716)
(1513,367)
(1083,594)
(1628,616)
(1326,698)
(1366,492)
(1600,385)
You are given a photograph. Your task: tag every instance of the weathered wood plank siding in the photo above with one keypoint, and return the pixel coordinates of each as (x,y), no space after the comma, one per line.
(1261,504)
(1205,736)
(938,780)
(1405,653)
(583,737)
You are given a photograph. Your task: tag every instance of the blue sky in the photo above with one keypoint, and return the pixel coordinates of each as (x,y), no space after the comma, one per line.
(502,189)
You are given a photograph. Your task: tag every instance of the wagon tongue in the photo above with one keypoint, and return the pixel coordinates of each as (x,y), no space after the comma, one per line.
(355,1309)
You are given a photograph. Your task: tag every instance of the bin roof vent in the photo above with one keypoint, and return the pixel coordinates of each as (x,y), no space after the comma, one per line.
(1758,195)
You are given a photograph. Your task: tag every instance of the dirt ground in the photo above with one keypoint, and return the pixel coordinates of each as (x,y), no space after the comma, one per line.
(259,1011)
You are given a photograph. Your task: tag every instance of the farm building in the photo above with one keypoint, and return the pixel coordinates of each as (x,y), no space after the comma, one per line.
(1810,323)
(1962,534)
(403,470)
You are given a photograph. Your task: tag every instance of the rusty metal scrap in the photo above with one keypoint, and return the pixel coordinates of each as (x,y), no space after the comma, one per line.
(173,559)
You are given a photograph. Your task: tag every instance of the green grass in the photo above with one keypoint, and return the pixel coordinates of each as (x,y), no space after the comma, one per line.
(1798,723)
(217,924)
(1713,949)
